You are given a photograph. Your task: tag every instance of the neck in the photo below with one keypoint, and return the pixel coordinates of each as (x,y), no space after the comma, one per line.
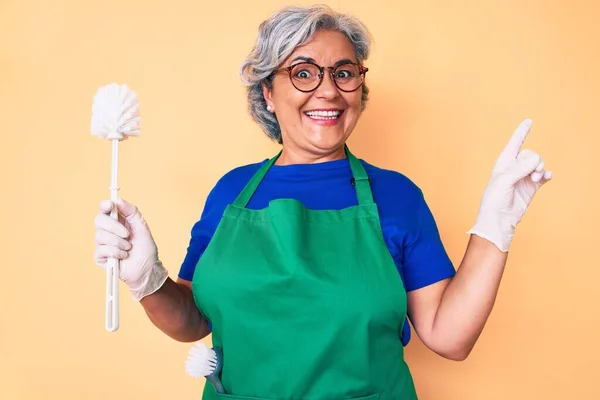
(298,156)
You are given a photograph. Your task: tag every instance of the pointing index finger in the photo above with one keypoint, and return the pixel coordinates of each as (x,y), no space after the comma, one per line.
(517,139)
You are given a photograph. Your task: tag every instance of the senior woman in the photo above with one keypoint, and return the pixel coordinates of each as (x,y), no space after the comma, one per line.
(306,267)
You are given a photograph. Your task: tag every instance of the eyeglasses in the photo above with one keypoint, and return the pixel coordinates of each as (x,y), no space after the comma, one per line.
(307,76)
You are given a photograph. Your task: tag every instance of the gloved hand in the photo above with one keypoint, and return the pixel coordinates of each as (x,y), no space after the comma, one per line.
(516,177)
(130,241)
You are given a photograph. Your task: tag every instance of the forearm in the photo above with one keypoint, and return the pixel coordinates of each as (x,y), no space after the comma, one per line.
(173,311)
(469,298)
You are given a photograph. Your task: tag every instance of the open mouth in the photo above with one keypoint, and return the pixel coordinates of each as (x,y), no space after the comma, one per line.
(329,115)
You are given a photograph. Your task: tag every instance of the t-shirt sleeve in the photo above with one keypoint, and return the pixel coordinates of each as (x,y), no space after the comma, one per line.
(425,258)
(223,193)
(201,234)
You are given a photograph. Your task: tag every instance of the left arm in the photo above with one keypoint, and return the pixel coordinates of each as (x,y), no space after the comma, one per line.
(450,315)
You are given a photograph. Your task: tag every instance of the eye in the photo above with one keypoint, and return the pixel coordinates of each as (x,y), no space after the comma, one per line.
(304,71)
(343,74)
(347,72)
(302,74)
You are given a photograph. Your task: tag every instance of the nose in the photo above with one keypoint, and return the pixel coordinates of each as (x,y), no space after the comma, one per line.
(327,89)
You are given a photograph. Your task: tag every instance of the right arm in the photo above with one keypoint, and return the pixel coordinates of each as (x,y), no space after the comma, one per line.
(169,305)
(172,310)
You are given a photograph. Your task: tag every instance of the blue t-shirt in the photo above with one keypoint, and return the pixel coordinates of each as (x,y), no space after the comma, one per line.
(409,229)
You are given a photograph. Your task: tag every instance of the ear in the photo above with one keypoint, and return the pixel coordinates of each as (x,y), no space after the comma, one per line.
(267,94)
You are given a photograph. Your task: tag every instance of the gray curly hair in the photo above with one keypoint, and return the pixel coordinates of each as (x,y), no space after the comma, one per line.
(278,37)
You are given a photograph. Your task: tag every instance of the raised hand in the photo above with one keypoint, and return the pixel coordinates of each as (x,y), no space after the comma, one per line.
(130,241)
(516,177)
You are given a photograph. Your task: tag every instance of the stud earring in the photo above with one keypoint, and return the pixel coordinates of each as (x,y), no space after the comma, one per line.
(269,108)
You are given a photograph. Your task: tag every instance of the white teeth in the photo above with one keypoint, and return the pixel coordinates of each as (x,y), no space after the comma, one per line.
(324,114)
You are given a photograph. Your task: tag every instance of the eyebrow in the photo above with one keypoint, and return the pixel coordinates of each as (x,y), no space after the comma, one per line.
(312,60)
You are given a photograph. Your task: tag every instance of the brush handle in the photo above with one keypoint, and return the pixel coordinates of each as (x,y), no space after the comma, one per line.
(214,377)
(216,382)
(112,270)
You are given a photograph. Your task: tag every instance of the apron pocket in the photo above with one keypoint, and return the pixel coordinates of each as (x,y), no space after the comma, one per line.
(234,397)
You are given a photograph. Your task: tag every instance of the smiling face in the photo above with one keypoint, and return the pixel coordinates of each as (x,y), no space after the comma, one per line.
(315,125)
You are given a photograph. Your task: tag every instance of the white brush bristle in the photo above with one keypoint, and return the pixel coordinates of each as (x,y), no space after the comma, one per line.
(115,113)
(201,361)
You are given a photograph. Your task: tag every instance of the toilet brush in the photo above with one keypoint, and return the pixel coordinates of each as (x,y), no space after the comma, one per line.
(115,117)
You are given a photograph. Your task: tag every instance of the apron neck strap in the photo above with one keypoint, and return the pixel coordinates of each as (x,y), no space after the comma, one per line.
(244,197)
(360,180)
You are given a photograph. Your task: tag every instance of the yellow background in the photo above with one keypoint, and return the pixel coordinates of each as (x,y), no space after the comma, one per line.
(450,81)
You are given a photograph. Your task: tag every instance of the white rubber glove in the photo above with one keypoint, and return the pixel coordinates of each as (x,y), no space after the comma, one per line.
(130,241)
(516,177)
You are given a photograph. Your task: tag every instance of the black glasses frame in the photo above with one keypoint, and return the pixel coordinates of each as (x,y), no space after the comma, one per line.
(362,71)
